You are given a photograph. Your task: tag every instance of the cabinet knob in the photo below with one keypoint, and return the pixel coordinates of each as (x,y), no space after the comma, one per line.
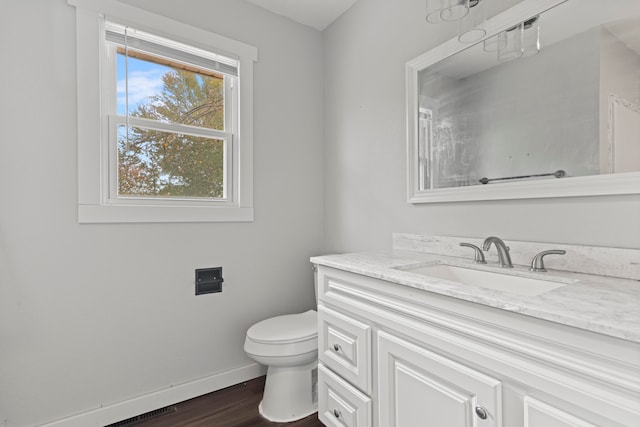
(336,413)
(481,412)
(336,347)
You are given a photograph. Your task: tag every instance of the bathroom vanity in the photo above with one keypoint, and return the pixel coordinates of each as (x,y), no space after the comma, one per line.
(403,344)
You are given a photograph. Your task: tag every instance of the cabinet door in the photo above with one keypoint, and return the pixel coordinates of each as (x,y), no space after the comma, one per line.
(420,388)
(540,414)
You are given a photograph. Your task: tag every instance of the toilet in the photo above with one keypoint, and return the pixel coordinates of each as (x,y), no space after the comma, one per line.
(288,346)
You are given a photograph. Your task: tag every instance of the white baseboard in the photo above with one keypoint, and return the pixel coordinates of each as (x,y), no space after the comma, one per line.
(159,399)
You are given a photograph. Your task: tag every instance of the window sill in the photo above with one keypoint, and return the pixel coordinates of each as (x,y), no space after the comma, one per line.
(92,214)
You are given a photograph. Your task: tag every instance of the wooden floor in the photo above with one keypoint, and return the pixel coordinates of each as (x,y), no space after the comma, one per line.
(236,406)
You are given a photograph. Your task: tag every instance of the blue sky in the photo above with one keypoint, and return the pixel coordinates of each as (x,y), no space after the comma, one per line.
(144,81)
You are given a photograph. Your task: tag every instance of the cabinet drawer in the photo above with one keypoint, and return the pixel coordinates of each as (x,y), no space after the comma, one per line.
(344,345)
(540,414)
(339,403)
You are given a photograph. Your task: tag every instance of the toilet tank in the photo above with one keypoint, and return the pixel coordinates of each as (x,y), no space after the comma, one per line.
(315,282)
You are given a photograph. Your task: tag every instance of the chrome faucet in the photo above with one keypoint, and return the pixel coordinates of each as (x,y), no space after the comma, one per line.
(504,259)
(479,256)
(537,263)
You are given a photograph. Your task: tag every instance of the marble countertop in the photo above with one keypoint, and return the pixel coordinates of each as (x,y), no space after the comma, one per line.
(601,304)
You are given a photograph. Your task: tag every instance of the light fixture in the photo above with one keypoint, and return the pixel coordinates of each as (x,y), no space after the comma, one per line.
(471,28)
(438,11)
(434,9)
(493,43)
(515,42)
(512,49)
(531,36)
(455,10)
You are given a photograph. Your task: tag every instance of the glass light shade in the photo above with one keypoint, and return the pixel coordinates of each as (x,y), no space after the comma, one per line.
(492,44)
(433,11)
(513,48)
(454,10)
(471,28)
(531,37)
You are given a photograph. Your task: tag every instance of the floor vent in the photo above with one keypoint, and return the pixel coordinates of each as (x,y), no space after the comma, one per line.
(139,418)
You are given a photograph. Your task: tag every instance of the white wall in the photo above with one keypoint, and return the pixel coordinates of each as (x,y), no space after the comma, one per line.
(91,315)
(365,52)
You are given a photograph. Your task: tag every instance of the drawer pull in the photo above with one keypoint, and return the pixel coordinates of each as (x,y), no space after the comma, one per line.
(481,412)
(336,347)
(336,413)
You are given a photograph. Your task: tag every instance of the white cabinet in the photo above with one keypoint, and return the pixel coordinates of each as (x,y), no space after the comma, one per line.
(418,387)
(540,414)
(344,345)
(339,403)
(395,356)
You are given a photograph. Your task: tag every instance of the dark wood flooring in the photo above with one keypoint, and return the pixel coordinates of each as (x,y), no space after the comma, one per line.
(236,406)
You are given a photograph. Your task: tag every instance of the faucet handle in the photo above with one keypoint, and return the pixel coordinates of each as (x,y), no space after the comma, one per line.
(537,263)
(479,256)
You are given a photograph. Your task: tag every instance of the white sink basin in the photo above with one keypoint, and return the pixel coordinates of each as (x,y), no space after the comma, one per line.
(525,286)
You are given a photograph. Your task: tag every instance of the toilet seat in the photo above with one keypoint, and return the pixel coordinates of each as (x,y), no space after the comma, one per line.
(282,336)
(289,328)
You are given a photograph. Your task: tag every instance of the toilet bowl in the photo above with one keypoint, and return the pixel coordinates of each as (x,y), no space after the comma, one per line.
(288,346)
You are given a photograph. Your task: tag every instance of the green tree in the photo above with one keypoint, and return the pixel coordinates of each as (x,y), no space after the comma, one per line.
(155,163)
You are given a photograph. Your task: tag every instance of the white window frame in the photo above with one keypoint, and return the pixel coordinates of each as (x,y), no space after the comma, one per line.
(95,182)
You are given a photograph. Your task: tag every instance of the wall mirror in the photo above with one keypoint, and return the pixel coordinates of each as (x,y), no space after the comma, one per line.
(545,104)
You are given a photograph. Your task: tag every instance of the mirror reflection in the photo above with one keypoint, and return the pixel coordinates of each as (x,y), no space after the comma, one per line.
(555,96)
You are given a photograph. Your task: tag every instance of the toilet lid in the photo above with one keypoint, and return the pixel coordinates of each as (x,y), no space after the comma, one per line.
(286,329)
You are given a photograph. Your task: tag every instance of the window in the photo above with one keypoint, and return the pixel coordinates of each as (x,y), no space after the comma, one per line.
(164,119)
(171,127)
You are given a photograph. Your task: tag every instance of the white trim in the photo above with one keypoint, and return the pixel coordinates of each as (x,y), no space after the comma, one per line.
(94,205)
(129,15)
(127,38)
(612,184)
(626,183)
(93,213)
(169,127)
(159,399)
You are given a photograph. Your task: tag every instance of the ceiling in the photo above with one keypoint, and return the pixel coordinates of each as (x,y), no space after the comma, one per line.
(318,14)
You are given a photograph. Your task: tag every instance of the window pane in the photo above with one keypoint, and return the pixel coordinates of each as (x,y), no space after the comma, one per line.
(168,91)
(165,164)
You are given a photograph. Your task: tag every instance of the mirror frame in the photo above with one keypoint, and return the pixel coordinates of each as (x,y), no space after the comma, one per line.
(593,185)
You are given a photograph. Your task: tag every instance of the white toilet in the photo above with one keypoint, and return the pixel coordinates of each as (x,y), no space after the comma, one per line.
(288,346)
